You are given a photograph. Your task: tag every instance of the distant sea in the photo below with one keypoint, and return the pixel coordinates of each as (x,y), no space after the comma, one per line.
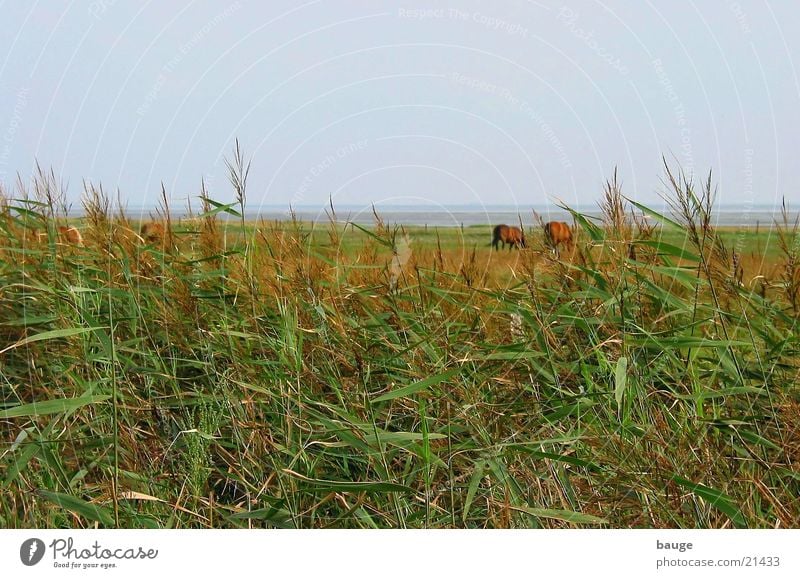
(468,215)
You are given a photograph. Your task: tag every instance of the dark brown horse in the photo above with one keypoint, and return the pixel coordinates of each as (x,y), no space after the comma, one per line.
(511,236)
(558,233)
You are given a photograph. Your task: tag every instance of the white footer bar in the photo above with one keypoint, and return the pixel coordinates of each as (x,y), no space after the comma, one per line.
(400,553)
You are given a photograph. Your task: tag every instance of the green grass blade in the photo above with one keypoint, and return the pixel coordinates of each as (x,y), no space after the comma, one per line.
(87,510)
(620,379)
(50,406)
(350,486)
(417,386)
(54,334)
(562,515)
(716,499)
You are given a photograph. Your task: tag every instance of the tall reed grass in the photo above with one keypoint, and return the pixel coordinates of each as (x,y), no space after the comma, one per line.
(274,375)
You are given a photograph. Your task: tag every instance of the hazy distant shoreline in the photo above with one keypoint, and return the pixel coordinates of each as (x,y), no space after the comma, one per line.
(762,216)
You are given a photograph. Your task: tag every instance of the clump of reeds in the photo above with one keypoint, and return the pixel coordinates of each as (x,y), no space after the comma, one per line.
(618,229)
(789,245)
(695,211)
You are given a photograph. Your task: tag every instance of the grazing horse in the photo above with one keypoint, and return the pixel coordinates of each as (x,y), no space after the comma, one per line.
(70,235)
(152,232)
(513,236)
(558,233)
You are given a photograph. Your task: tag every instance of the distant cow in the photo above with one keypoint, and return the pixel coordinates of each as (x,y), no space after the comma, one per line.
(152,232)
(511,236)
(70,235)
(558,233)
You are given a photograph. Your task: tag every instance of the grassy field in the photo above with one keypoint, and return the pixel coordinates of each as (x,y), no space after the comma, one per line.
(273,375)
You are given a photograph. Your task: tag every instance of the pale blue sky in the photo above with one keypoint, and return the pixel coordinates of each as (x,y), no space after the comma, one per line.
(440,103)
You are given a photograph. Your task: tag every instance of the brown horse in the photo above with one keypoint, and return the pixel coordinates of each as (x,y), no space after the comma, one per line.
(70,235)
(513,236)
(558,233)
(152,232)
